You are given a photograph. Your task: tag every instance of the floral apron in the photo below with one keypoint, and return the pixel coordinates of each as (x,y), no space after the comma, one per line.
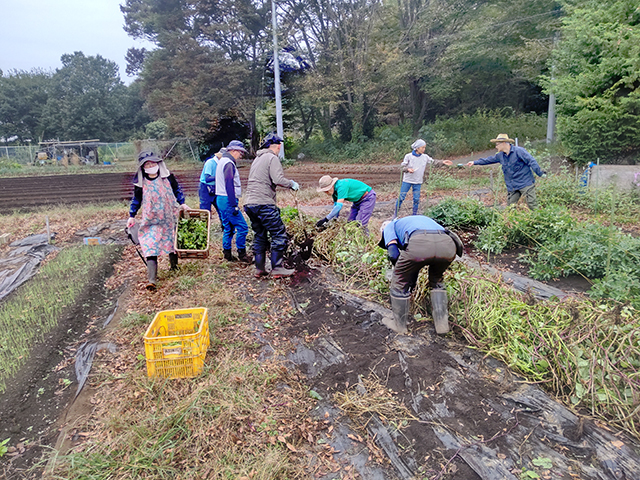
(159,212)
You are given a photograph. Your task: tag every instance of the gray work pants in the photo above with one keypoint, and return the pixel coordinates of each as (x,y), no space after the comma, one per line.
(529,194)
(435,250)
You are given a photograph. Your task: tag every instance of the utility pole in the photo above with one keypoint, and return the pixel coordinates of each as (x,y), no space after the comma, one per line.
(551,115)
(276,76)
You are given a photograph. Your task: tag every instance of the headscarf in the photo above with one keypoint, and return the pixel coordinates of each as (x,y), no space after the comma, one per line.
(145,157)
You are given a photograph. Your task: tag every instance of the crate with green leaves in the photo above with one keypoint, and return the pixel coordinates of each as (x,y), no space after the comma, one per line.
(192,234)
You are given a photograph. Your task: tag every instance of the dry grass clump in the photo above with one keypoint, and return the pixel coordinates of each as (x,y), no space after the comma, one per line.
(370,398)
(240,418)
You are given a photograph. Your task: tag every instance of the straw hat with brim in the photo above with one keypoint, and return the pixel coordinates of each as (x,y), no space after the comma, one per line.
(503,137)
(326,182)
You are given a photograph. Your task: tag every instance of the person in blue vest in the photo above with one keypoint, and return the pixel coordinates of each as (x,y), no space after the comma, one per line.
(228,191)
(413,243)
(207,190)
(518,166)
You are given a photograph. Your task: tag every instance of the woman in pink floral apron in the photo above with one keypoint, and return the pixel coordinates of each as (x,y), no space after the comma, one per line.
(157,193)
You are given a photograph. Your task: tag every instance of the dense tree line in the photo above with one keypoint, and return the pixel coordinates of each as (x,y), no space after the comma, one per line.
(362,63)
(373,61)
(85,99)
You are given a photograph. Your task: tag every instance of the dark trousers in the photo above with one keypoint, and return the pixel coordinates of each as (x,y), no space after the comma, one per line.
(434,250)
(266,222)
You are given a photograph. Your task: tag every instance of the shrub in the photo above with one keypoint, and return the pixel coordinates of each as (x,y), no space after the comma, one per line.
(461,213)
(515,227)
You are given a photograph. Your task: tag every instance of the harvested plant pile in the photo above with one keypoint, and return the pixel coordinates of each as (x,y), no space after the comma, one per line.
(192,234)
(585,353)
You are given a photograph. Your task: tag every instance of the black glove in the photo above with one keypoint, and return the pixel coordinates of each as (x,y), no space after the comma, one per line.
(321,223)
(233,211)
(393,253)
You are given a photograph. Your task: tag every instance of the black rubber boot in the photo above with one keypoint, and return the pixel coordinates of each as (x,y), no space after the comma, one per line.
(228,256)
(277,270)
(440,310)
(152,273)
(243,257)
(173,260)
(400,307)
(260,259)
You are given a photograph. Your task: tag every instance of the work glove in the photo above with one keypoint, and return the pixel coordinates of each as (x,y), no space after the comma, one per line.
(294,186)
(184,206)
(544,175)
(235,211)
(131,222)
(321,223)
(393,252)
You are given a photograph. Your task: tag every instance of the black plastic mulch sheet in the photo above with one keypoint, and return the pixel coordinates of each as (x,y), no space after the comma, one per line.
(22,262)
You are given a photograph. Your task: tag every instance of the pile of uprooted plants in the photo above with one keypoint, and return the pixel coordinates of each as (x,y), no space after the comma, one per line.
(584,351)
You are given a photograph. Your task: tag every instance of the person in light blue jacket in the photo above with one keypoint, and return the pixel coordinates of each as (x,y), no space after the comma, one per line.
(518,166)
(207,190)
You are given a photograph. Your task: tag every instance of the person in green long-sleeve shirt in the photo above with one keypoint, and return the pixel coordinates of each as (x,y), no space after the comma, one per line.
(351,190)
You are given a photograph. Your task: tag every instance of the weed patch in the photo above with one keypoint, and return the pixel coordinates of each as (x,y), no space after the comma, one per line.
(34,308)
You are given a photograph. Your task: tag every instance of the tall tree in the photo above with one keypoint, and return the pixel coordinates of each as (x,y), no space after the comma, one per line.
(87,100)
(597,80)
(23,96)
(208,63)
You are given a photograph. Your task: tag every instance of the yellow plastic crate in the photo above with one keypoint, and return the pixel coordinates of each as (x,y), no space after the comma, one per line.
(176,343)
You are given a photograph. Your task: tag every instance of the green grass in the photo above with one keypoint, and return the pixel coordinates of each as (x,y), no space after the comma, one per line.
(34,309)
(445,137)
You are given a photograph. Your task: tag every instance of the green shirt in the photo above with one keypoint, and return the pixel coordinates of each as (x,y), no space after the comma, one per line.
(350,189)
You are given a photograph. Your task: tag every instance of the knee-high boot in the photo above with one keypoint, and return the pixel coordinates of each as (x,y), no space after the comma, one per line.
(152,272)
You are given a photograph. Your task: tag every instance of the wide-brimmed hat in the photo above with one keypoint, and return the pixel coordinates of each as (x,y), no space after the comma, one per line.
(503,137)
(236,145)
(148,156)
(325,183)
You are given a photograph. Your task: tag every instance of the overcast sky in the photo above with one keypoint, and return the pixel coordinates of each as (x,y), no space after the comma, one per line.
(36,33)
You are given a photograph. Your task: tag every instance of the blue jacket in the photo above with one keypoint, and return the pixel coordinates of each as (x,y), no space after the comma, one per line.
(400,229)
(518,167)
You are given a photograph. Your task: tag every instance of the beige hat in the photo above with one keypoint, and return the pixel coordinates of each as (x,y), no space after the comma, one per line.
(326,182)
(503,137)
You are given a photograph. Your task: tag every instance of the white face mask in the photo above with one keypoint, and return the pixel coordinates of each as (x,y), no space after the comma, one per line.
(152,170)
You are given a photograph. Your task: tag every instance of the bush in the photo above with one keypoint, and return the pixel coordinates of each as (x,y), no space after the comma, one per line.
(461,213)
(468,133)
(514,228)
(445,137)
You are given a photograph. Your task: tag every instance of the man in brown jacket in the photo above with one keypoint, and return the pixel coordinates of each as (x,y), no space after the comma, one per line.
(260,206)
